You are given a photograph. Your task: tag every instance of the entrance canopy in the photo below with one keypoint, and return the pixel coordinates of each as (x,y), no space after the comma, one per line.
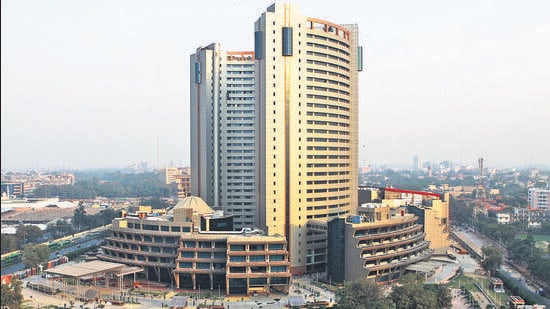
(87,269)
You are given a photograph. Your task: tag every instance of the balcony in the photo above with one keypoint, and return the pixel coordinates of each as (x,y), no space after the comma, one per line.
(410,229)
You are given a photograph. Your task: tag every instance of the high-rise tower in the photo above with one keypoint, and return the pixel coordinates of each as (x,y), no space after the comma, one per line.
(306,133)
(222,131)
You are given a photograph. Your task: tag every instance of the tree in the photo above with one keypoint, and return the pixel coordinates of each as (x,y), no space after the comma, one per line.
(9,243)
(492,259)
(443,295)
(361,294)
(79,216)
(27,234)
(60,228)
(412,293)
(12,296)
(35,255)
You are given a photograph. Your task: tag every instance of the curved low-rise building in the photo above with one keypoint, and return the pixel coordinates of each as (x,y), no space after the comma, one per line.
(151,240)
(376,245)
(194,246)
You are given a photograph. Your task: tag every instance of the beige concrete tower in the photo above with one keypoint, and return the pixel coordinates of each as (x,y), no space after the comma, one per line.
(306,91)
(222,131)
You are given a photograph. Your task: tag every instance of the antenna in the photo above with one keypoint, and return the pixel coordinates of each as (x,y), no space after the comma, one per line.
(481,195)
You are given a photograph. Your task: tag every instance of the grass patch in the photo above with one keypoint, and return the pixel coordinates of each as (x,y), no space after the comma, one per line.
(541,240)
(537,237)
(468,282)
(148,292)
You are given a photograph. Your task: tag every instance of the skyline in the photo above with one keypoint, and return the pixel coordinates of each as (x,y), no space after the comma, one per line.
(81,81)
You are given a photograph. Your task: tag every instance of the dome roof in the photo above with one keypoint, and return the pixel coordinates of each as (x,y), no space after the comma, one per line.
(194,202)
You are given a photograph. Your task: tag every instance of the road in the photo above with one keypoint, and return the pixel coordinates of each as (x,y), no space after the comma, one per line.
(19,266)
(506,270)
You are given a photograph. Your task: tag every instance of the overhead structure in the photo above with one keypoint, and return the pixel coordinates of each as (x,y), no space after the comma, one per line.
(93,269)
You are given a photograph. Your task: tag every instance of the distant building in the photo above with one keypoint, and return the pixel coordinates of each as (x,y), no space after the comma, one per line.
(181,177)
(503,218)
(13,189)
(26,183)
(538,198)
(417,164)
(531,215)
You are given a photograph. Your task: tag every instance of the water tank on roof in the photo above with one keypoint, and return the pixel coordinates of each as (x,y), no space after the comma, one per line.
(355,219)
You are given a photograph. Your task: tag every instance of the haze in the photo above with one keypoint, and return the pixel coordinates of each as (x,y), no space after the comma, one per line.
(105,83)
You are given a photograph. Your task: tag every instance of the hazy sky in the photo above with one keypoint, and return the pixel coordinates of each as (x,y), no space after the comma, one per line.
(102,83)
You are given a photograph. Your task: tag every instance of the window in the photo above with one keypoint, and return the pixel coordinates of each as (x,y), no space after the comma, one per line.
(205,244)
(278,269)
(219,255)
(204,255)
(258,269)
(188,255)
(257,247)
(257,258)
(258,281)
(237,270)
(276,247)
(237,258)
(236,247)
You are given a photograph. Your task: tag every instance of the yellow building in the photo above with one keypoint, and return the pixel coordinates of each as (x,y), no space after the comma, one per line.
(307,107)
(434,216)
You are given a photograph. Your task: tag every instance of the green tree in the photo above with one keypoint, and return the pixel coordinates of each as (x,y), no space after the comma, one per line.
(492,258)
(27,234)
(60,228)
(12,296)
(361,294)
(79,217)
(443,295)
(35,255)
(9,243)
(412,293)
